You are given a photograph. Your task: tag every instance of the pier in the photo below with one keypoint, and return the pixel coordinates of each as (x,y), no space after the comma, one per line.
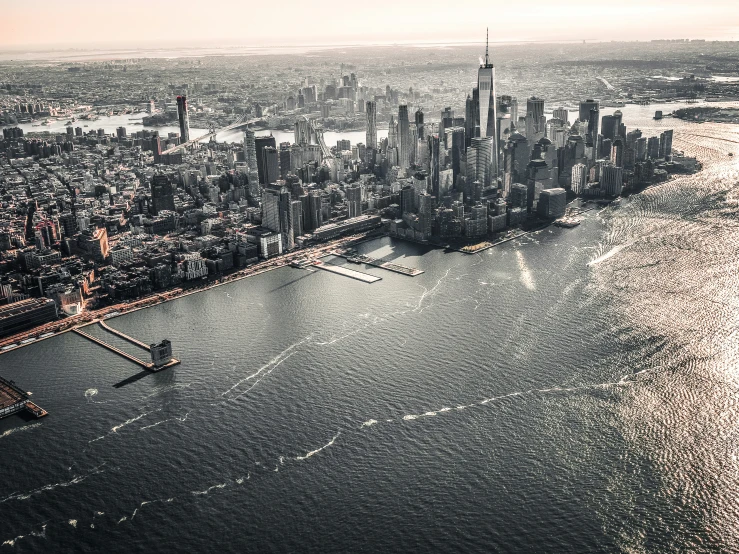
(124,336)
(13,400)
(390,266)
(346,272)
(146,365)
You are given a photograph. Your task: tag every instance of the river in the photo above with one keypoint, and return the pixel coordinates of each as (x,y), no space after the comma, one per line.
(574,390)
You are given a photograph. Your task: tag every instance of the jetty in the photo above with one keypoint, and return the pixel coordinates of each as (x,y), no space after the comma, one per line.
(346,272)
(13,400)
(382,264)
(160,359)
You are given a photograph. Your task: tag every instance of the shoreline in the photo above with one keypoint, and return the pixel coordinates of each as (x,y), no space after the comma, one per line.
(89,318)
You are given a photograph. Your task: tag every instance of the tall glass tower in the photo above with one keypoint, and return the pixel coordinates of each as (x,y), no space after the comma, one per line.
(487,104)
(184,119)
(371,138)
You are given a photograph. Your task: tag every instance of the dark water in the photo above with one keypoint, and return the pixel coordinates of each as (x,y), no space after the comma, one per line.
(572,391)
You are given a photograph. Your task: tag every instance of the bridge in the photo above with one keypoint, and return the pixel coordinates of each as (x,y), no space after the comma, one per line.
(317,131)
(211,133)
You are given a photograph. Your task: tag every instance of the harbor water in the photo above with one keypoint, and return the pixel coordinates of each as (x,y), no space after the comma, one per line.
(574,390)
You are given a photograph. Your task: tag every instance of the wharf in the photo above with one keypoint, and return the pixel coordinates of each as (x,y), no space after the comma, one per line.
(146,365)
(13,400)
(390,266)
(346,272)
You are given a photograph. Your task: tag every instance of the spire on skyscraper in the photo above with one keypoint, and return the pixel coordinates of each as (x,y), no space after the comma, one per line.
(487,34)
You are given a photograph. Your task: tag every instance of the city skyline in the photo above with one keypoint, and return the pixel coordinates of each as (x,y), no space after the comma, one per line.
(94,24)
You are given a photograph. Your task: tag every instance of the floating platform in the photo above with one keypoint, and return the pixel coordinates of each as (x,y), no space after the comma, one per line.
(346,272)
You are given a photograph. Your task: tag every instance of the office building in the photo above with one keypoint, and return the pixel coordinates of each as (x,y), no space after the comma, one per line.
(552,203)
(371,134)
(404,137)
(270,164)
(586,107)
(562,114)
(579,178)
(183,118)
(487,107)
(260,143)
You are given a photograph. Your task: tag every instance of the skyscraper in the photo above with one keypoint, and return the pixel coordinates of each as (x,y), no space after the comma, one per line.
(260,143)
(354,200)
(250,155)
(585,107)
(480,161)
(488,105)
(562,114)
(183,118)
(419,124)
(535,112)
(404,136)
(270,164)
(371,139)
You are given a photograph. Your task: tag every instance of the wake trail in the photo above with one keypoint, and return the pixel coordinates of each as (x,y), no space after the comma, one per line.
(317,450)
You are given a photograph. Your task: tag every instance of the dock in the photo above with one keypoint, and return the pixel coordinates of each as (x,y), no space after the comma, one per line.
(390,266)
(124,336)
(346,272)
(13,400)
(130,357)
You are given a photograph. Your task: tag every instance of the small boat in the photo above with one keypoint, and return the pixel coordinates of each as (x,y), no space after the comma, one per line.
(731,153)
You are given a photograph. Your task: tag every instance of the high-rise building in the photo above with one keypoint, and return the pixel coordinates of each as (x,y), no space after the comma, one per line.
(666,144)
(552,203)
(579,178)
(285,159)
(455,143)
(535,110)
(371,109)
(585,107)
(488,106)
(562,114)
(592,138)
(270,164)
(419,124)
(260,143)
(183,118)
(404,136)
(480,161)
(434,164)
(612,179)
(354,200)
(250,156)
(609,127)
(518,195)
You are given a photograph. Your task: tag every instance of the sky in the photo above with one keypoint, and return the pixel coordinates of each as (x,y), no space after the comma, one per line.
(147,23)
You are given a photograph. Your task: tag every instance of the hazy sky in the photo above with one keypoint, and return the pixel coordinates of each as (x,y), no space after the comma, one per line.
(288,22)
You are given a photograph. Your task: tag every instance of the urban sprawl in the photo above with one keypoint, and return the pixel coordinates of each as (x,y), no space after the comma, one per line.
(91,220)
